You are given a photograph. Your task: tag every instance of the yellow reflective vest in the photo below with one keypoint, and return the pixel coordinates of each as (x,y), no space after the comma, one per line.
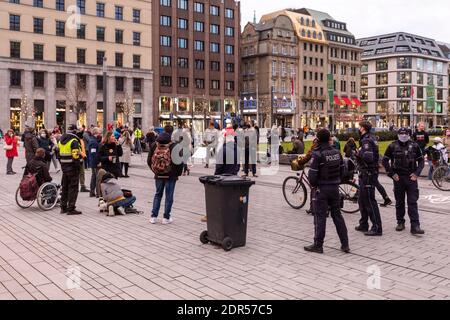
(67,154)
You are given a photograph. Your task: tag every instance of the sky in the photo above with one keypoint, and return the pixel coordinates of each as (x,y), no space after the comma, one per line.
(367,18)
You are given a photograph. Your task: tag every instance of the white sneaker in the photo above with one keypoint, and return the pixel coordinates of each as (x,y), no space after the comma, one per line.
(111,211)
(167,221)
(121,211)
(152,220)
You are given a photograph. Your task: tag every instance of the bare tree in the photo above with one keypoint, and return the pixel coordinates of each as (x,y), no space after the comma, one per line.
(77,98)
(27,109)
(127,107)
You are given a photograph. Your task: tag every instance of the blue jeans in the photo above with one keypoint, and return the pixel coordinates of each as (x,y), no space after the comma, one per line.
(125,202)
(162,184)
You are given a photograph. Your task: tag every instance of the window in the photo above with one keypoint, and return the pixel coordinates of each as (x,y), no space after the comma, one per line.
(38,25)
(38,50)
(382,79)
(15,78)
(119,84)
(100,55)
(439,67)
(214,28)
(229,49)
(165,3)
(165,21)
(430,79)
(183,4)
(14,49)
(365,68)
(136,61)
(38,79)
(229,85)
(60,54)
(200,83)
(353,87)
(403,77)
(404,63)
(215,84)
(183,63)
(199,64)
(199,45)
(166,61)
(215,66)
(183,24)
(81,6)
(229,67)
(420,92)
(136,15)
(81,31)
(229,31)
(430,66)
(199,7)
(382,65)
(183,82)
(199,26)
(403,92)
(100,34)
(81,56)
(419,78)
(214,10)
(364,81)
(137,85)
(136,38)
(382,93)
(119,59)
(60,81)
(182,43)
(440,80)
(14,22)
(119,36)
(343,70)
(343,85)
(439,94)
(119,13)
(60,28)
(229,13)
(165,41)
(60,5)
(214,47)
(38,3)
(166,81)
(100,9)
(99,83)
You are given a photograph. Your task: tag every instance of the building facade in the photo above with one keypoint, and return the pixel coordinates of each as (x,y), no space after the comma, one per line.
(404,80)
(310,60)
(196,61)
(51,62)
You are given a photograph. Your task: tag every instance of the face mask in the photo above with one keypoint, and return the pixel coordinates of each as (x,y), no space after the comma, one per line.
(403,138)
(43,135)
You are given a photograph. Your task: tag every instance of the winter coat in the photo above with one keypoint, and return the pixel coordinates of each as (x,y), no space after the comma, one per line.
(127,148)
(111,191)
(92,151)
(114,150)
(47,145)
(11,141)
(31,144)
(38,166)
(350,149)
(177,169)
(227,167)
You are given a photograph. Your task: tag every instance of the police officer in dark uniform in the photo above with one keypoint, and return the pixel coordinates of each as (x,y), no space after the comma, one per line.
(404,162)
(325,175)
(367,159)
(70,158)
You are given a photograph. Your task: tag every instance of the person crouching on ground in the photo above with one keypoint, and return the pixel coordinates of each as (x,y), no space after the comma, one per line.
(113,194)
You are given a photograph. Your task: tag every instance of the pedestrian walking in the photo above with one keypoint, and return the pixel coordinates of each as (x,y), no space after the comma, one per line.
(10,148)
(137,140)
(109,155)
(127,148)
(404,162)
(325,175)
(46,143)
(227,155)
(30,143)
(250,153)
(210,141)
(93,147)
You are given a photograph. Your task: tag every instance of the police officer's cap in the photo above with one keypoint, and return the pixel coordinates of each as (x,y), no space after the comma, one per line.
(366,125)
(72,127)
(323,135)
(404,130)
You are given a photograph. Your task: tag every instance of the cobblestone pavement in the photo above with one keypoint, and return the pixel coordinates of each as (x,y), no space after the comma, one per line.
(125,257)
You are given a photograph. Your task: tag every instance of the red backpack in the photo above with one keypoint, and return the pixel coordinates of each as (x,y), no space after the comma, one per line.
(28,187)
(161,159)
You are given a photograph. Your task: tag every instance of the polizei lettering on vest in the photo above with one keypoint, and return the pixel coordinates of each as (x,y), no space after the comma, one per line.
(201,311)
(333,158)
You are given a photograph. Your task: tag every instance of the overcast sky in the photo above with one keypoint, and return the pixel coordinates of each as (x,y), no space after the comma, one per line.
(367,18)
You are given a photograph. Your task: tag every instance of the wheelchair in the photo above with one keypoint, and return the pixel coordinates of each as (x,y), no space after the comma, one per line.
(47,197)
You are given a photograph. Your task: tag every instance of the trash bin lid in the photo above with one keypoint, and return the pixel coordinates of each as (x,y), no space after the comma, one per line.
(226,180)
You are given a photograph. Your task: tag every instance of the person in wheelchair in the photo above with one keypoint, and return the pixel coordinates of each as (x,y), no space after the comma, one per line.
(38,166)
(114,196)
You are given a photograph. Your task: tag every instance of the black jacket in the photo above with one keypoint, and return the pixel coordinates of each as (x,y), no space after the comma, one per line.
(111,150)
(177,168)
(47,145)
(30,144)
(229,151)
(39,167)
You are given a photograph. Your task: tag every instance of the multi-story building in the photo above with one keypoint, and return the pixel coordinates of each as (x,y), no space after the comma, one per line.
(196,60)
(404,80)
(445,47)
(317,51)
(51,62)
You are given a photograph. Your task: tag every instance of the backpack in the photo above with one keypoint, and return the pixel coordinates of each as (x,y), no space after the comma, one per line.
(161,160)
(28,187)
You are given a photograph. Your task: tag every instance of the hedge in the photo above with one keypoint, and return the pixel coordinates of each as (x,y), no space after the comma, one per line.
(383,136)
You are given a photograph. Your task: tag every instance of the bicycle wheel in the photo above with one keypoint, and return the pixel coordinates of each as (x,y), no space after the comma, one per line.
(24,204)
(349,192)
(441,178)
(294,192)
(47,196)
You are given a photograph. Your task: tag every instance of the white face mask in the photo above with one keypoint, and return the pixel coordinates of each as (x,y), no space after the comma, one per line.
(403,138)
(43,135)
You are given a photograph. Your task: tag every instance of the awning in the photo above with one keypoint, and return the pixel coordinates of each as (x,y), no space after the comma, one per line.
(357,102)
(347,101)
(337,101)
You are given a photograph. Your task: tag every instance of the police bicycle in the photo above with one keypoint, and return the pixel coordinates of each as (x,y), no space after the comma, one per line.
(47,197)
(295,191)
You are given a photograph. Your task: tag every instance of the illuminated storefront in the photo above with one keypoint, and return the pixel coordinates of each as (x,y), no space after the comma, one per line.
(15,115)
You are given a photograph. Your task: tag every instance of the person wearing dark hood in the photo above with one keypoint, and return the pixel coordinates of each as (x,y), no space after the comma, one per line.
(165,159)
(70,158)
(93,161)
(350,148)
(38,166)
(367,160)
(404,162)
(109,155)
(46,143)
(325,175)
(30,143)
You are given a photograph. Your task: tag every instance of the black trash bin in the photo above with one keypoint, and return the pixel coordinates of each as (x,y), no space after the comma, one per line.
(226,210)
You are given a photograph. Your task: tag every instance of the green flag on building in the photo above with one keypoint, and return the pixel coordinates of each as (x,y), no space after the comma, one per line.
(430,98)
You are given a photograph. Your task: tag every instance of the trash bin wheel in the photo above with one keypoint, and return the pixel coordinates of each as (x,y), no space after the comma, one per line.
(204,237)
(227,244)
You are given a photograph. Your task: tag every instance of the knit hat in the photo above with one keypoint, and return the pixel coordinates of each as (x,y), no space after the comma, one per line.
(323,135)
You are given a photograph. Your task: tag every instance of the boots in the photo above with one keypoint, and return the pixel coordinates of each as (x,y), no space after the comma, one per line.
(387,202)
(400,227)
(417,230)
(314,248)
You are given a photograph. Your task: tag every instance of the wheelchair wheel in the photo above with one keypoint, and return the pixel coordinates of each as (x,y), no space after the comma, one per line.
(47,196)
(24,204)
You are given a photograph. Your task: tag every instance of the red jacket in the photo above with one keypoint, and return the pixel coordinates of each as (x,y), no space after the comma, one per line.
(11,141)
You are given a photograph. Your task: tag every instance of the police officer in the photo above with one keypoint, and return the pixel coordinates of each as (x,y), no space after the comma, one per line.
(367,159)
(404,162)
(70,159)
(325,175)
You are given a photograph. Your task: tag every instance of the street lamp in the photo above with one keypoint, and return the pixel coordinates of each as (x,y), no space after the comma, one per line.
(105,96)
